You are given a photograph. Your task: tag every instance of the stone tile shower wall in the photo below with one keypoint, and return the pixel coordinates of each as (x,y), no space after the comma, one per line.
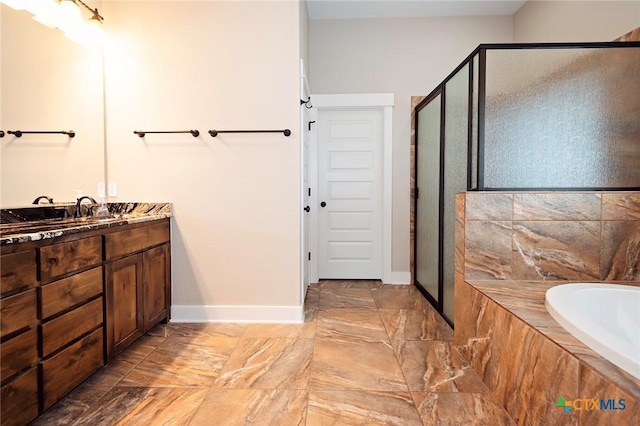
(551,236)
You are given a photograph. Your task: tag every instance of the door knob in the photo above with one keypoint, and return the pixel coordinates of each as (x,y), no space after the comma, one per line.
(307,209)
(322,204)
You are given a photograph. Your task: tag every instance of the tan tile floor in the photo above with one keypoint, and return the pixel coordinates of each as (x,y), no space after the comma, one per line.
(367,354)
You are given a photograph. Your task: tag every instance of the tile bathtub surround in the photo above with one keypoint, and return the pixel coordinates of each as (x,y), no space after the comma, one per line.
(528,360)
(367,354)
(585,236)
(512,247)
(525,300)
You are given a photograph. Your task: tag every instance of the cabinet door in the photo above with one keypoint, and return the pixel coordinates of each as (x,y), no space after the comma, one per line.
(124,303)
(156,277)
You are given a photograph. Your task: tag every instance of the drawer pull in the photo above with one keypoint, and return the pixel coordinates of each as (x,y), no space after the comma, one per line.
(53,260)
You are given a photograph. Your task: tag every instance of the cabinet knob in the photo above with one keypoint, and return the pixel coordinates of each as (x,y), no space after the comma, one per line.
(323,204)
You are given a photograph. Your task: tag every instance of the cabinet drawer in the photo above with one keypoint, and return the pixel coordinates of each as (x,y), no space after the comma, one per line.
(64,329)
(133,240)
(69,368)
(18,311)
(19,353)
(63,294)
(63,258)
(18,271)
(19,400)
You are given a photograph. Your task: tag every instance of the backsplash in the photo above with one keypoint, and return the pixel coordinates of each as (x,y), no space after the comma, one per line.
(585,236)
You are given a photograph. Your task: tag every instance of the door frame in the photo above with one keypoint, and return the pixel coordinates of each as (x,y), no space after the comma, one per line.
(380,101)
(305,272)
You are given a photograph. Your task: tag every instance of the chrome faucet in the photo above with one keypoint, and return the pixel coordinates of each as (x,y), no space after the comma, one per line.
(43,197)
(78,211)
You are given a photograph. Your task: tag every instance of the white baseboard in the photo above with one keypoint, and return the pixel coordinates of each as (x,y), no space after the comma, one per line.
(400,277)
(245,314)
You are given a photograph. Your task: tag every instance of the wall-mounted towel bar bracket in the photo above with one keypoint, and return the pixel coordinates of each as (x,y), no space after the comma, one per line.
(19,133)
(307,103)
(214,133)
(142,133)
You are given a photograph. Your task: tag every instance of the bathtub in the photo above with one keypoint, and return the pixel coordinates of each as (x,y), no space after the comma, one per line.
(605,317)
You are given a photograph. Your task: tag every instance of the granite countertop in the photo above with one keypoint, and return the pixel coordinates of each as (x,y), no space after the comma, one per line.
(34,223)
(526,300)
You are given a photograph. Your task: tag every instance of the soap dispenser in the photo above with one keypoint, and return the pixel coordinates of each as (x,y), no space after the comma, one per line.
(102,211)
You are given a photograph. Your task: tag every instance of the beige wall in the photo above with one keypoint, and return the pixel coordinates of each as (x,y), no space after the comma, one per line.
(401,56)
(304,32)
(48,83)
(551,21)
(212,65)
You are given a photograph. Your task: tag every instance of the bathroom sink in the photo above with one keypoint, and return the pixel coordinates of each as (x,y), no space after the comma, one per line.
(96,219)
(31,214)
(53,224)
(33,227)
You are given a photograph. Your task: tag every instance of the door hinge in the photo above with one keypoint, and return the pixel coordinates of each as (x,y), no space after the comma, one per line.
(310,123)
(417,192)
(309,255)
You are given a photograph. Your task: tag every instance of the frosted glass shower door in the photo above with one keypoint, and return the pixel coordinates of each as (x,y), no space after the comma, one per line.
(456,136)
(427,215)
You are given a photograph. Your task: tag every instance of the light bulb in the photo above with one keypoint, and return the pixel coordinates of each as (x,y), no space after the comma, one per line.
(16,4)
(89,34)
(47,12)
(70,16)
(94,30)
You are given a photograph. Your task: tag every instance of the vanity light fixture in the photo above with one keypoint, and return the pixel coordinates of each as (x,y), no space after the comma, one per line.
(65,15)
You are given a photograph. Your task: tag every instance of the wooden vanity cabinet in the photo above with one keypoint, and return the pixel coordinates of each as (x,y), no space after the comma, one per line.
(19,401)
(137,284)
(60,298)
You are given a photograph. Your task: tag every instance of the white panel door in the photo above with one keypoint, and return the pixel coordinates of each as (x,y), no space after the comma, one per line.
(350,194)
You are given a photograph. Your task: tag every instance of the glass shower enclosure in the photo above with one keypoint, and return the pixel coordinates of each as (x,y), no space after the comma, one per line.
(514,117)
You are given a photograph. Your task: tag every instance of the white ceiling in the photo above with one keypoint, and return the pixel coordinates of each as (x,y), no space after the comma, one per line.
(365,9)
